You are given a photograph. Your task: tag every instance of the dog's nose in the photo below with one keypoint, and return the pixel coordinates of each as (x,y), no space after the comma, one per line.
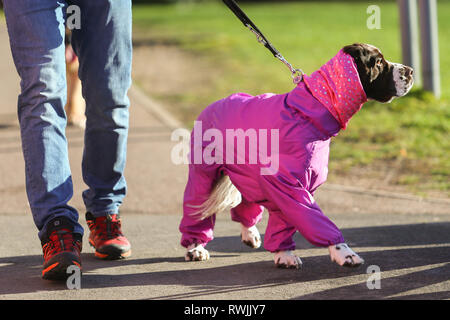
(408,71)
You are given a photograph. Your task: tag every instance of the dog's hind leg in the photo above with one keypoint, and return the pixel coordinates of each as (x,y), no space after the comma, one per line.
(196,253)
(197,232)
(248,215)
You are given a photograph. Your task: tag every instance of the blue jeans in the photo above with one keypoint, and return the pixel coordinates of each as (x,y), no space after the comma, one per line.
(103,44)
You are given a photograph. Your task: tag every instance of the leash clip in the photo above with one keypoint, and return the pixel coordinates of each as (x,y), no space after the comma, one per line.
(297,74)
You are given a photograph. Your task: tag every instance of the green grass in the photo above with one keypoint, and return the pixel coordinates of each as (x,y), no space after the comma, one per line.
(412,133)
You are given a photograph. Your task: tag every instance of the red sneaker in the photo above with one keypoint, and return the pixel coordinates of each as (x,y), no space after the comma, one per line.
(107,237)
(61,249)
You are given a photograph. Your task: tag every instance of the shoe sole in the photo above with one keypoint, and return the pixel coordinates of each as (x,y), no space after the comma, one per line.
(57,269)
(111,252)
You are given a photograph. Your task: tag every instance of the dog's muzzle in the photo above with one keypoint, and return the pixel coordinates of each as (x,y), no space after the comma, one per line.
(403,79)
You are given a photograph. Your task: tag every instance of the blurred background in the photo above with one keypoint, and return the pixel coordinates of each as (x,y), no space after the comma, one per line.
(188,54)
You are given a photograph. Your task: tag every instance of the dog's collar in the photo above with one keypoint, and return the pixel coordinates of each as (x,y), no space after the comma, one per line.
(338,87)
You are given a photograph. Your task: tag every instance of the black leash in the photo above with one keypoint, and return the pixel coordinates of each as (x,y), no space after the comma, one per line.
(297,74)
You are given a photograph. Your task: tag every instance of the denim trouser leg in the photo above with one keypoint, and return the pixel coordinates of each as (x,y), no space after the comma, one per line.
(36,31)
(104,48)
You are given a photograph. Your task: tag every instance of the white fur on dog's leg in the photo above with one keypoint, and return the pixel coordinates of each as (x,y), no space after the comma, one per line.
(196,252)
(250,236)
(287,260)
(344,256)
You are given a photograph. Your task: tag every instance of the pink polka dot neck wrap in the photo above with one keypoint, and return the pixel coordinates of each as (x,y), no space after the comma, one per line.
(338,87)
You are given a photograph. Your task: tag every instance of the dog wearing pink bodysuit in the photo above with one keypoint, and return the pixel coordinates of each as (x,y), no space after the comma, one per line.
(304,120)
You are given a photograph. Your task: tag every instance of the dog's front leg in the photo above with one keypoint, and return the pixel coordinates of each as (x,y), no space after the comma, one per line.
(344,256)
(250,236)
(196,252)
(287,260)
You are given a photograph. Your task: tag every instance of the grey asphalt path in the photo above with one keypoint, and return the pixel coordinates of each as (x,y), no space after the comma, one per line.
(407,238)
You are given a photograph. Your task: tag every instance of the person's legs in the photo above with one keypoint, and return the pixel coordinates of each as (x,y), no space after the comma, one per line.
(104,49)
(36,31)
(103,46)
(75,103)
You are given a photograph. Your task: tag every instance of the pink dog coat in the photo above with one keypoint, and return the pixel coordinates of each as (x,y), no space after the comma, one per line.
(305,119)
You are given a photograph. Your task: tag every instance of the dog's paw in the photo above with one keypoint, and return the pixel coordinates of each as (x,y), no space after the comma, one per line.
(344,256)
(287,260)
(196,252)
(251,237)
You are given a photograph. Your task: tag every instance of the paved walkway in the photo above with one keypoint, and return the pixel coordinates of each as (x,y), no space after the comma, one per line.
(408,239)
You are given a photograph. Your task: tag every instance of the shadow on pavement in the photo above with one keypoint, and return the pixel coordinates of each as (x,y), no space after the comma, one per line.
(21,274)
(379,236)
(395,285)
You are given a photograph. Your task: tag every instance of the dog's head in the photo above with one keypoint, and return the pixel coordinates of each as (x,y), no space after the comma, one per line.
(382,80)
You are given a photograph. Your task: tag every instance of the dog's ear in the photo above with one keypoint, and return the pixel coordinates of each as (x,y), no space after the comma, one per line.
(355,50)
(370,67)
(365,61)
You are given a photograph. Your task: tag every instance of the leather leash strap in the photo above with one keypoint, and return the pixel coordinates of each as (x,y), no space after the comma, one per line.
(297,74)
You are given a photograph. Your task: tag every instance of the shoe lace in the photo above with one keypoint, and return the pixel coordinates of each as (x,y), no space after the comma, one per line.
(59,241)
(108,228)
